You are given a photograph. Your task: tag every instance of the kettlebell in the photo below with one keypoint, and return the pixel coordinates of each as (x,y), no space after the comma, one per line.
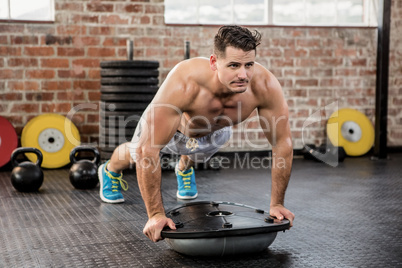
(26,176)
(84,173)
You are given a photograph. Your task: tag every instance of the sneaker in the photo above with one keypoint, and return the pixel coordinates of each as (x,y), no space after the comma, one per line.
(187,189)
(111,184)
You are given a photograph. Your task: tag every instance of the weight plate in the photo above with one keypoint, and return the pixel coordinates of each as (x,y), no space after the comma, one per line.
(147,98)
(129,81)
(54,135)
(120,115)
(129,64)
(115,89)
(107,148)
(120,122)
(123,132)
(129,72)
(8,141)
(115,130)
(106,155)
(112,141)
(120,138)
(123,106)
(352,130)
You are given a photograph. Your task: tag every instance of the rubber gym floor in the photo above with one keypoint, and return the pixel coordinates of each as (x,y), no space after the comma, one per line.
(348,216)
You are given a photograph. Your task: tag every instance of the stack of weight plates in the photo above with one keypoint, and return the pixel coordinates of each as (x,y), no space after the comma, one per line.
(127,88)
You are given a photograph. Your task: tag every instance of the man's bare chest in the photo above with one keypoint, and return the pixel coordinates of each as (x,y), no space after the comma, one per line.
(201,122)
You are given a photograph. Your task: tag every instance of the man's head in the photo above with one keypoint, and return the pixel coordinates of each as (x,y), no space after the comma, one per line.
(234,56)
(237,37)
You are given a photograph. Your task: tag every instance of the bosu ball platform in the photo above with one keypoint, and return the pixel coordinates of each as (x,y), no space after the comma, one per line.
(211,228)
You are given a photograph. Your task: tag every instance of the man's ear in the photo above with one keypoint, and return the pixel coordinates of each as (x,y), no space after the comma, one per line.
(212,62)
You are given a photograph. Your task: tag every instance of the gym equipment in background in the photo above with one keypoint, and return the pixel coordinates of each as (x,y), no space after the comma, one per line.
(54,135)
(352,130)
(127,88)
(8,141)
(326,153)
(83,173)
(27,176)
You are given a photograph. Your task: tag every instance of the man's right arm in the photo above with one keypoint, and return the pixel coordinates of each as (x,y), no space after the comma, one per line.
(162,121)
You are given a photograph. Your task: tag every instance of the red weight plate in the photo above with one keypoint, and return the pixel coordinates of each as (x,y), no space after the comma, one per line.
(8,141)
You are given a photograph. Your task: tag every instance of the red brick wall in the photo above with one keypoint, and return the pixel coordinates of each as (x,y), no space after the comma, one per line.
(52,67)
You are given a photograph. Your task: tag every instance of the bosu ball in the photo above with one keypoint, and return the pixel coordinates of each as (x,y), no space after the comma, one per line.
(210,228)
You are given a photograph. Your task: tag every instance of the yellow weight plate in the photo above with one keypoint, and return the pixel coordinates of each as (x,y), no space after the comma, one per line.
(352,130)
(54,135)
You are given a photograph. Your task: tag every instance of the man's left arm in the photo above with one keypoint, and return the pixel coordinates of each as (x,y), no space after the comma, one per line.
(274,120)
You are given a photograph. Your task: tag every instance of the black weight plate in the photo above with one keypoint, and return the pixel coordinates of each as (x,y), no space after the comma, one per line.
(119,122)
(106,155)
(107,148)
(134,107)
(147,98)
(116,89)
(123,106)
(109,131)
(116,131)
(129,73)
(129,64)
(119,139)
(114,140)
(111,141)
(129,81)
(129,116)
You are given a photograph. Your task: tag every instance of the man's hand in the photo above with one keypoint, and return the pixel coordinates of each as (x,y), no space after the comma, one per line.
(280,212)
(155,225)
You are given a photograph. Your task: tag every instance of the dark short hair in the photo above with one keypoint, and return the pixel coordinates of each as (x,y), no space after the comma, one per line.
(237,37)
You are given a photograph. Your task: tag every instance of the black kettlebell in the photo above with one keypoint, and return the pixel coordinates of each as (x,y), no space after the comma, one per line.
(84,173)
(27,176)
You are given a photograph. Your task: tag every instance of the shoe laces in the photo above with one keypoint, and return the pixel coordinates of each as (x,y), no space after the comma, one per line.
(186,177)
(116,181)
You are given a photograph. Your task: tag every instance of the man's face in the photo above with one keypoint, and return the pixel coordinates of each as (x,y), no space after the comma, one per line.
(236,69)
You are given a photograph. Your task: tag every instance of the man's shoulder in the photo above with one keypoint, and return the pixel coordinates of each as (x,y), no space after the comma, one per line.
(181,86)
(262,71)
(189,68)
(266,87)
(263,80)
(189,75)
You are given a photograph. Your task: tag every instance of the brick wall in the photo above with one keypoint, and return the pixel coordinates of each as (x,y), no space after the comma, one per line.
(53,67)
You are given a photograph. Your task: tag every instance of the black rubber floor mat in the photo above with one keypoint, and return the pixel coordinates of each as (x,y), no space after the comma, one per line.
(348,216)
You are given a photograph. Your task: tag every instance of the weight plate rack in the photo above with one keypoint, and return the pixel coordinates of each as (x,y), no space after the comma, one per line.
(127,88)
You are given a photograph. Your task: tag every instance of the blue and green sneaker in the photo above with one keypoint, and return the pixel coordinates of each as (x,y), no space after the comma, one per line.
(111,184)
(187,189)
